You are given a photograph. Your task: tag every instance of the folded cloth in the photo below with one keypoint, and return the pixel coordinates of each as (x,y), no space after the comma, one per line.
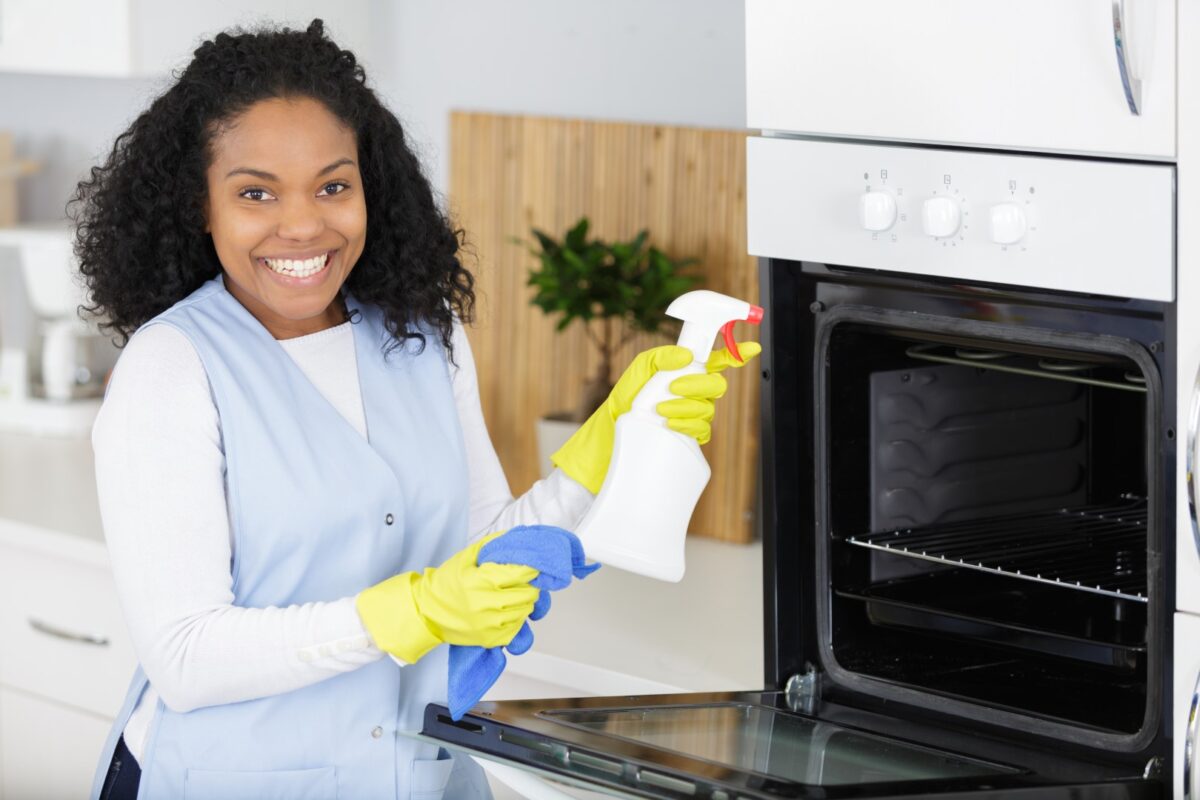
(557,555)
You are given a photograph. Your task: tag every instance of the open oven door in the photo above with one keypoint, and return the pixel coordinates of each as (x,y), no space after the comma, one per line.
(758,745)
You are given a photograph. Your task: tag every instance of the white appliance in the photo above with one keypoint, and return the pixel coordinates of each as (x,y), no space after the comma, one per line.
(53,362)
(1028,144)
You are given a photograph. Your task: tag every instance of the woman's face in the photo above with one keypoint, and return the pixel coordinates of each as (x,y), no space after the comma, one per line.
(287,213)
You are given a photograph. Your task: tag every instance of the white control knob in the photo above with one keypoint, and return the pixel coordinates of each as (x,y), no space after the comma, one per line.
(877,211)
(940,217)
(1008,223)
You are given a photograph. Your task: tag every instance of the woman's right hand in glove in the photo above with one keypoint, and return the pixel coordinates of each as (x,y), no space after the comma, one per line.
(460,602)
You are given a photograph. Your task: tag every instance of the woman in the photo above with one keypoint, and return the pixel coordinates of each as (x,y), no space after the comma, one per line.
(291,442)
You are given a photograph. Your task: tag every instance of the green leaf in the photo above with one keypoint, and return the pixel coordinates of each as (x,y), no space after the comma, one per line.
(582,279)
(578,235)
(548,244)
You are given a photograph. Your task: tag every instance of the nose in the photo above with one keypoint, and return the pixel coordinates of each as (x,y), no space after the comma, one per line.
(300,219)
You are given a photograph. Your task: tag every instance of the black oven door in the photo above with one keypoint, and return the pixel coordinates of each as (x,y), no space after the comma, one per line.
(758,745)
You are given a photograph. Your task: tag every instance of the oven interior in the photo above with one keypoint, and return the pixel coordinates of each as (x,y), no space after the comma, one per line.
(987,521)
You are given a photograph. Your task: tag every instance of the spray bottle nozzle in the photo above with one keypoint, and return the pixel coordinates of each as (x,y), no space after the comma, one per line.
(705,314)
(754,317)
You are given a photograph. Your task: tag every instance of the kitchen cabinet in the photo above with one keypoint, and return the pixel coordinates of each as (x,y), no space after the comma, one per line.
(140,38)
(64,666)
(47,750)
(67,657)
(1024,74)
(64,637)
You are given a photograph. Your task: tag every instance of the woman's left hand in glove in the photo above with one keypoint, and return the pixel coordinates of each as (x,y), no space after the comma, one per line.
(586,454)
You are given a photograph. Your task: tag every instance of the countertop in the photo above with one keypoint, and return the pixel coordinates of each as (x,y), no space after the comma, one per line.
(613,633)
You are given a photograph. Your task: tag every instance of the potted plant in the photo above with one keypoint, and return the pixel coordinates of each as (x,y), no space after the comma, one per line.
(616,290)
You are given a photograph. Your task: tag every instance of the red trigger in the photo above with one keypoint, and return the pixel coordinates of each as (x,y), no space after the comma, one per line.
(730,344)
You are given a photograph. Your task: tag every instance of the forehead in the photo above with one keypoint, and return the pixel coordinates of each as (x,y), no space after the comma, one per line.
(276,134)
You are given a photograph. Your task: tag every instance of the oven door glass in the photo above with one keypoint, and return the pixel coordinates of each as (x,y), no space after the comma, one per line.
(754,745)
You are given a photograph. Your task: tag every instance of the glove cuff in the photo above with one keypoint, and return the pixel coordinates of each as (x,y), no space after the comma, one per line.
(389,613)
(586,455)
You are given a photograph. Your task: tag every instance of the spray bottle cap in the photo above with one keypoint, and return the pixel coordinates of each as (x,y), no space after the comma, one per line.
(704,314)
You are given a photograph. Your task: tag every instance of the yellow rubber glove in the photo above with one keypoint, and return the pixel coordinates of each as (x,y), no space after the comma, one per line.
(460,602)
(586,454)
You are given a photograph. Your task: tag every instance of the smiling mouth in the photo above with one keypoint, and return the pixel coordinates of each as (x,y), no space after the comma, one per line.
(298,268)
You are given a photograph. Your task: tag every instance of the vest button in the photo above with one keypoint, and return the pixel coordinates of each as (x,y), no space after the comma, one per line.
(389,519)
(376,732)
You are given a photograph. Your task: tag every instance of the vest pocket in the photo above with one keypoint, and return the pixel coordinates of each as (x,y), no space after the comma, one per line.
(291,784)
(429,778)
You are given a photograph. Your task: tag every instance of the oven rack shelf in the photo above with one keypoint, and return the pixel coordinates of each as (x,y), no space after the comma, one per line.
(1099,548)
(1001,361)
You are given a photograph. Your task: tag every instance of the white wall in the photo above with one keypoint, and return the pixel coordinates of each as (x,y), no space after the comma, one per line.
(677,62)
(68,124)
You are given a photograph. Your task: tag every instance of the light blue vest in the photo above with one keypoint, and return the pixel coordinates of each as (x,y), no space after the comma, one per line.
(319,513)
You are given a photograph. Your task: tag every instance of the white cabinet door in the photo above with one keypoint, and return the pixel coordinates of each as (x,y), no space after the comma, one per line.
(1022,74)
(46,750)
(63,633)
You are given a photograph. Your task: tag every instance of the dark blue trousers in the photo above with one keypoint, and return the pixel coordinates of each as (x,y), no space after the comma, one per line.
(124,775)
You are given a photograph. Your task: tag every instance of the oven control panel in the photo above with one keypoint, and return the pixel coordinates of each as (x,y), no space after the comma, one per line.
(1079,225)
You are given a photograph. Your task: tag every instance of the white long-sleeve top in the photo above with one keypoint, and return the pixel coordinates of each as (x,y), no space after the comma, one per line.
(160,474)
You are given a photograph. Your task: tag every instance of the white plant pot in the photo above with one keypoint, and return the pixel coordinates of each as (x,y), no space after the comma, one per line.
(552,433)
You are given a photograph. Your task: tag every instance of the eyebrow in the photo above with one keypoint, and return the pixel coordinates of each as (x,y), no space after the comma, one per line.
(267,176)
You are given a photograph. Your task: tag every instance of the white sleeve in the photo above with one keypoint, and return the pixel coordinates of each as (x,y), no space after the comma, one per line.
(556,500)
(160,474)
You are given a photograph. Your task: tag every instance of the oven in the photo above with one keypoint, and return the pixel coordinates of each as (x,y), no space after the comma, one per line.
(979,418)
(991,430)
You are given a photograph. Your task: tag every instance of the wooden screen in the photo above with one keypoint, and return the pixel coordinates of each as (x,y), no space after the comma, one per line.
(509,174)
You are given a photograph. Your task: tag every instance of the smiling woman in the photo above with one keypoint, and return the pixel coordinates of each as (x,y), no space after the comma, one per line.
(227,242)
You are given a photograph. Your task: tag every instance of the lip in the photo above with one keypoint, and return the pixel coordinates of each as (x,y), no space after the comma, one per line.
(300,256)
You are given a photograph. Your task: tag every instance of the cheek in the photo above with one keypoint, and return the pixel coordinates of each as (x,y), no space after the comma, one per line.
(233,229)
(351,219)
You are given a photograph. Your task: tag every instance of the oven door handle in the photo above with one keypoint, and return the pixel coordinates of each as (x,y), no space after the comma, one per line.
(1189,747)
(1129,81)
(1193,462)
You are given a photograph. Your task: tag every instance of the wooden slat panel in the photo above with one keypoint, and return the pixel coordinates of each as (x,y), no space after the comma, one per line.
(509,174)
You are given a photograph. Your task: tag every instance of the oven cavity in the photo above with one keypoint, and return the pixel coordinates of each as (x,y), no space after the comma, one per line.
(987,521)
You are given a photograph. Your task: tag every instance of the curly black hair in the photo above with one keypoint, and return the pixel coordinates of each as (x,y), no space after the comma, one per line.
(140,236)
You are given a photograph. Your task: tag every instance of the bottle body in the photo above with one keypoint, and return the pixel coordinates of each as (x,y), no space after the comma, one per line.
(655,476)
(639,520)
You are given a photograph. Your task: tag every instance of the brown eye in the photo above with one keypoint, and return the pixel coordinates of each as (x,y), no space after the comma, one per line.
(254,194)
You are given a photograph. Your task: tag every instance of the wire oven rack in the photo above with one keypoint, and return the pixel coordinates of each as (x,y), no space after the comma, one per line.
(1100,549)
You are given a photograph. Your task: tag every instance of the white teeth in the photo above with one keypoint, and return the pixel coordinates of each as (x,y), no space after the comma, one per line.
(297,269)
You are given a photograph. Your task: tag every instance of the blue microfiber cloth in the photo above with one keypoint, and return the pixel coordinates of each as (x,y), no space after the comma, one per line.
(557,555)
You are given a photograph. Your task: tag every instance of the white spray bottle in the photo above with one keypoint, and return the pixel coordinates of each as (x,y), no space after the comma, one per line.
(639,520)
